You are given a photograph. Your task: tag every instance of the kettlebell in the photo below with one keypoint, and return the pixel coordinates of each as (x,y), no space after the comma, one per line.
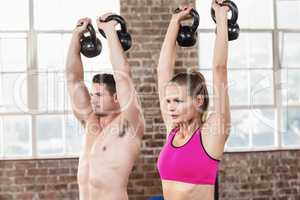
(123,35)
(187,35)
(233,32)
(233,27)
(90,45)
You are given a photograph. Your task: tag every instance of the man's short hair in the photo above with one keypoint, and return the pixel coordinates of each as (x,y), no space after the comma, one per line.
(106,79)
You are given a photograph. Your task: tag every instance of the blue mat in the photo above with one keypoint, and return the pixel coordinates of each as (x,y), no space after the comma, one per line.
(157,198)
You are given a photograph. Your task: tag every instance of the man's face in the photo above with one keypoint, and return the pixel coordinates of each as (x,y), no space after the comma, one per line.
(103,102)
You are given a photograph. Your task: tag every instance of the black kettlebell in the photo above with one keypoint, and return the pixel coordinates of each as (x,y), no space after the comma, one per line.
(90,45)
(123,35)
(187,35)
(233,32)
(233,27)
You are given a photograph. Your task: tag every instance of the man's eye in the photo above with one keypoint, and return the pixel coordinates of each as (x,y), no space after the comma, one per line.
(178,101)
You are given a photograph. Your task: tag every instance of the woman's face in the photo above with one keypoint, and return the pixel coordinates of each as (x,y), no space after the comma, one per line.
(180,107)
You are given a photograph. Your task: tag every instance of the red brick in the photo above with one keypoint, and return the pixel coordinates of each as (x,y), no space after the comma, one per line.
(67,179)
(59,171)
(34,188)
(25,164)
(47,164)
(6,196)
(5,181)
(24,180)
(6,165)
(25,196)
(47,179)
(14,173)
(35,172)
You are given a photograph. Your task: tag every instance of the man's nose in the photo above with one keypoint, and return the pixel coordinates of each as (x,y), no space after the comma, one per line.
(94,99)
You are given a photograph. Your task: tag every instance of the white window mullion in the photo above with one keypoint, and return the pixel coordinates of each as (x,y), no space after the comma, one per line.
(32,90)
(31,141)
(250,111)
(64,134)
(277,80)
(2,137)
(1,73)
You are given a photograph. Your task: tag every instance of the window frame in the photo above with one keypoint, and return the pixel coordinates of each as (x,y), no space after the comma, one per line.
(32,67)
(276,69)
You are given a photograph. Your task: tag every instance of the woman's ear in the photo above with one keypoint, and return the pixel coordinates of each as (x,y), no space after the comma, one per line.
(199,100)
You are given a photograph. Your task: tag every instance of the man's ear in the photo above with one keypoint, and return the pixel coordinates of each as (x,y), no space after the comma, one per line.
(115,97)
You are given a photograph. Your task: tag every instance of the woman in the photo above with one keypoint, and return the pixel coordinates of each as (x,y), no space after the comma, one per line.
(188,163)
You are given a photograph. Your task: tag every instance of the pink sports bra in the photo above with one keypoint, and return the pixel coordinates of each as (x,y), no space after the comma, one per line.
(189,163)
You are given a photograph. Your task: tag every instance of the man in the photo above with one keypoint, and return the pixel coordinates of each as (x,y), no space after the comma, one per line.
(111,116)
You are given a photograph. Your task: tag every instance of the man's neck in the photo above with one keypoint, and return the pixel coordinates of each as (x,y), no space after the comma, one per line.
(107,119)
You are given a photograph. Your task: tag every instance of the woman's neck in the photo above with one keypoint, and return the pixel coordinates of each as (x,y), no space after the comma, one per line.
(186,129)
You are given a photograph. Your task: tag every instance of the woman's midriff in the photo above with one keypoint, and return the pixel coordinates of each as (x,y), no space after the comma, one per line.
(174,190)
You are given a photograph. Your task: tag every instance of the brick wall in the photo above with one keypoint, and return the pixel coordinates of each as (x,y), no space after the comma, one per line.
(259,176)
(243,176)
(38,179)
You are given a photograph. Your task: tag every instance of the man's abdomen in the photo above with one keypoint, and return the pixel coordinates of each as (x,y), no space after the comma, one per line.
(83,177)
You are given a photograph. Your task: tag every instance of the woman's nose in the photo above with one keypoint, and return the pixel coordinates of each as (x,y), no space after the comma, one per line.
(171,106)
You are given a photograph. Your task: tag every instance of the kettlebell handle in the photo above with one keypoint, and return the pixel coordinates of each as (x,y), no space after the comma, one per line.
(92,31)
(119,19)
(195,17)
(234,10)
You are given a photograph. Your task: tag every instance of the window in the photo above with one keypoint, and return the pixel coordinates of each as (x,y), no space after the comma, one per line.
(264,73)
(36,120)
